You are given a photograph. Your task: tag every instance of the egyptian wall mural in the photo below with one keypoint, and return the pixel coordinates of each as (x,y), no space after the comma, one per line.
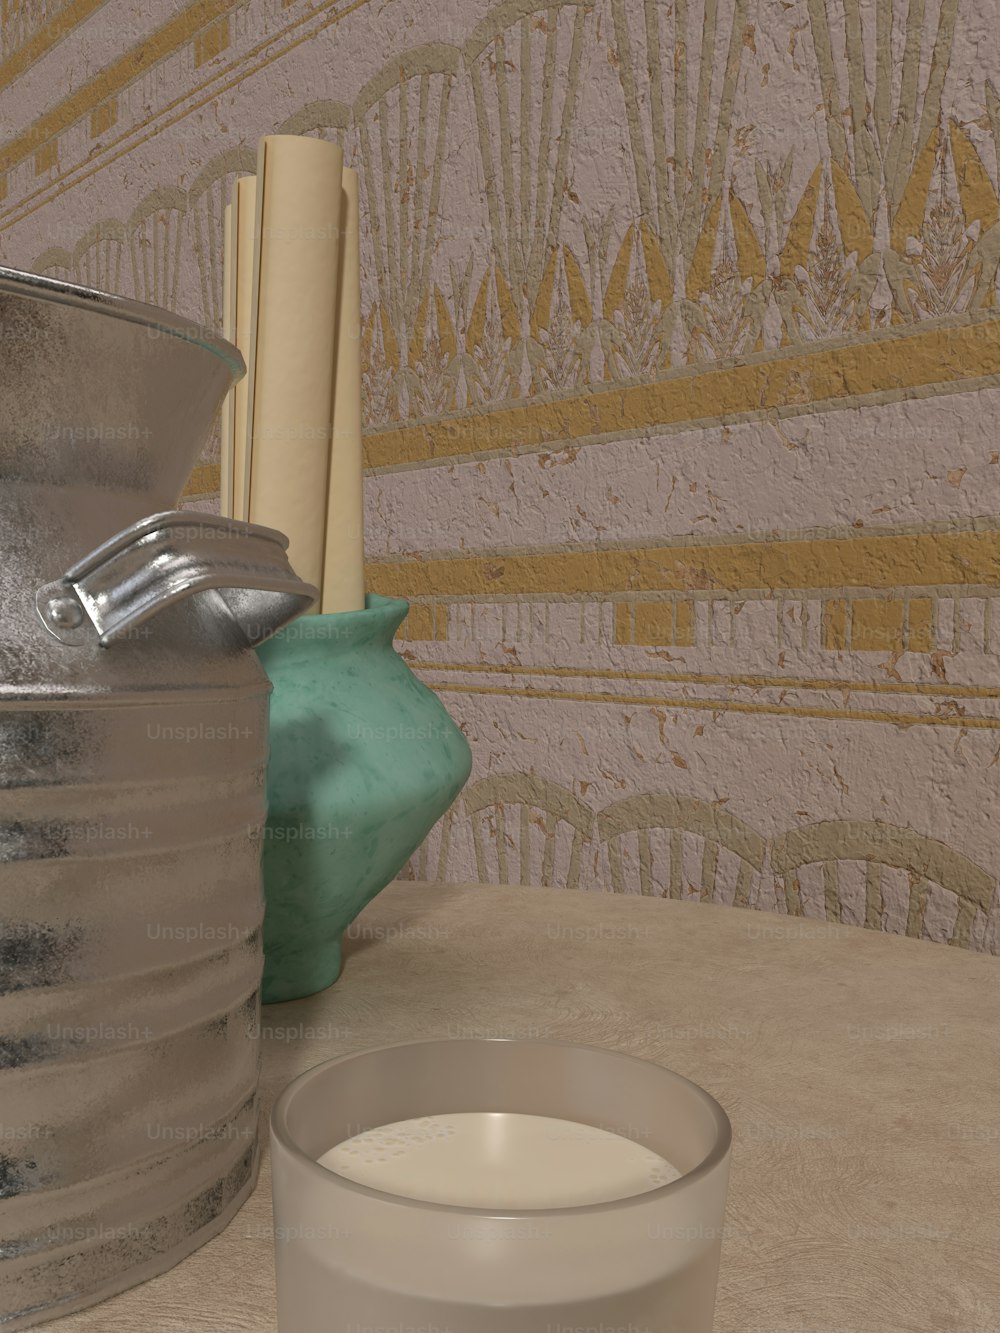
(681,344)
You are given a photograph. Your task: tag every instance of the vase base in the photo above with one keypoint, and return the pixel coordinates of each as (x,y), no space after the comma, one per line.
(294,978)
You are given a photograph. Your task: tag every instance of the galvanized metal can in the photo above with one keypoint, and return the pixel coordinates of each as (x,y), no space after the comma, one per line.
(132,755)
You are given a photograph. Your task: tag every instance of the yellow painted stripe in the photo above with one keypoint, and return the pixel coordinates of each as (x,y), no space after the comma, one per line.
(113,78)
(701,678)
(869,561)
(894,361)
(162,120)
(50,34)
(728,706)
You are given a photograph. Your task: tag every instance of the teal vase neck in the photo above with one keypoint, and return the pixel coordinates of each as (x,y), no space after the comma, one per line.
(338,632)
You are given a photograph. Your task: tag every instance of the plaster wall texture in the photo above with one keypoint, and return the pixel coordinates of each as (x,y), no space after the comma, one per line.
(682,370)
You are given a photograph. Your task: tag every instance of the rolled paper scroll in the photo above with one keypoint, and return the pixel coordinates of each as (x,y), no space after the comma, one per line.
(344,572)
(241,302)
(293,319)
(227,439)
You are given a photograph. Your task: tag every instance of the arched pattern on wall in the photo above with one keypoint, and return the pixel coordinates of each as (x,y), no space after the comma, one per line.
(537,805)
(878,847)
(697,269)
(524,140)
(56,263)
(323,120)
(680,161)
(526,829)
(99,257)
(156,238)
(708,830)
(402,124)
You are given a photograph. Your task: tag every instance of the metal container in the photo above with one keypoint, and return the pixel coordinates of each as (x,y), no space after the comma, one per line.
(132,756)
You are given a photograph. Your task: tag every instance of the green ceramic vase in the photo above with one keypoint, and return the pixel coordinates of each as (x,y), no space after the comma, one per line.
(364,760)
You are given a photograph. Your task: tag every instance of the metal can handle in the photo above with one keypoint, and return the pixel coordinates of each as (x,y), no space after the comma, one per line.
(166,558)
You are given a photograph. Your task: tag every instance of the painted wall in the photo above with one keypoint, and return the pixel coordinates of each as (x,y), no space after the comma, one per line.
(682,352)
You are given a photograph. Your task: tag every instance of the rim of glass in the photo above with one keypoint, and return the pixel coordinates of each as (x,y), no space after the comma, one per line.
(39,285)
(717,1154)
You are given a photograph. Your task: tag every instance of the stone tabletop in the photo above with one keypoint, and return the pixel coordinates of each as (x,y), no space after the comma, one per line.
(861,1072)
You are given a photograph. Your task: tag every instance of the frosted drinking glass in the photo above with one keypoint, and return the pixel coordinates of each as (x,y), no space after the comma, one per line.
(351,1258)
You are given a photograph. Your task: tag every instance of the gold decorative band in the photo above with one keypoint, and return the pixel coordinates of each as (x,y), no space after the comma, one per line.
(891,364)
(719,706)
(44,38)
(114,77)
(838,685)
(871,561)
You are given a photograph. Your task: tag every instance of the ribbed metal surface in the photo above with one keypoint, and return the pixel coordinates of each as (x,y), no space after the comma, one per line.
(129,984)
(131,813)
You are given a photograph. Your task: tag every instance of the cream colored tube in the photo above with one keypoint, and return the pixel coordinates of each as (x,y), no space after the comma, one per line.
(244,205)
(296,264)
(344,561)
(228,331)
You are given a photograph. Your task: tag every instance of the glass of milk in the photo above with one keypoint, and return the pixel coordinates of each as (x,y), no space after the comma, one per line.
(497,1186)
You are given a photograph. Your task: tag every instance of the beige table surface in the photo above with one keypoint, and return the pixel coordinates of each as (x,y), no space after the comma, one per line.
(860,1071)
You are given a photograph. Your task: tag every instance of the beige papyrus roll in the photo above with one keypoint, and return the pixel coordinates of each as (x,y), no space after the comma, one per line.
(226,440)
(241,298)
(344,561)
(289,399)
